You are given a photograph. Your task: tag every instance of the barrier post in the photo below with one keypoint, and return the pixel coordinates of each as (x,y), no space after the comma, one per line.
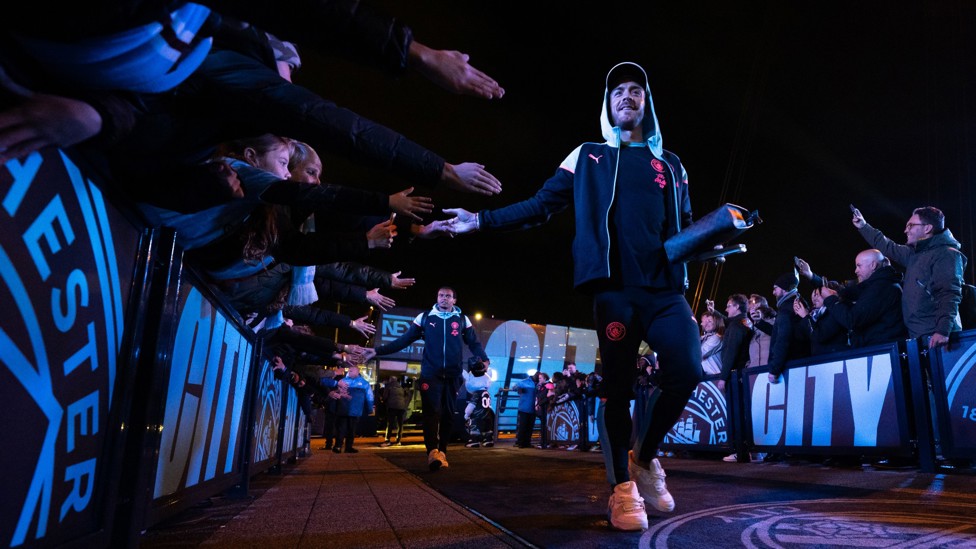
(152,316)
(921,412)
(737,411)
(240,491)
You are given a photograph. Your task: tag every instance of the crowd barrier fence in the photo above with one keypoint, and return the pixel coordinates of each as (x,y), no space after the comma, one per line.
(130,391)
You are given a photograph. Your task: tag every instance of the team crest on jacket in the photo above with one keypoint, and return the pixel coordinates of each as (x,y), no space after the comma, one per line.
(657,165)
(616,331)
(424,386)
(454,328)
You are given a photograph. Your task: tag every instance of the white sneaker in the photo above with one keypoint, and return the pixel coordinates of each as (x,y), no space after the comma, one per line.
(650,483)
(436,459)
(755,457)
(433,460)
(626,508)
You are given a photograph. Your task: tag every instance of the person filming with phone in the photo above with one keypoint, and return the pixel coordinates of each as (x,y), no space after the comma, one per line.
(870,309)
(932,287)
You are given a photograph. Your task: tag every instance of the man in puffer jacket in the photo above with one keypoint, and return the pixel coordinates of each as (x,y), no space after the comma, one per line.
(355,400)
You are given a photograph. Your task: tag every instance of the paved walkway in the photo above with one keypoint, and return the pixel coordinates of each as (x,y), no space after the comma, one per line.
(334,500)
(386,498)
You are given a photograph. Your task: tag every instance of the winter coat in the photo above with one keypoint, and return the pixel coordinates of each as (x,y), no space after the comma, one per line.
(711,349)
(825,334)
(735,344)
(932,288)
(784,344)
(526,389)
(361,397)
(445,335)
(394,396)
(871,309)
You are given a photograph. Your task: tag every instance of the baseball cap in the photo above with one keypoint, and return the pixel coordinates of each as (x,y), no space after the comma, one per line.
(626,71)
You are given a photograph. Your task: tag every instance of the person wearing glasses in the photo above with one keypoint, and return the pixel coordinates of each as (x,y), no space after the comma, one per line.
(932,288)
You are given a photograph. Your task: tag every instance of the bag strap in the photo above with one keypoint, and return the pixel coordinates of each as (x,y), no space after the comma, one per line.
(423,324)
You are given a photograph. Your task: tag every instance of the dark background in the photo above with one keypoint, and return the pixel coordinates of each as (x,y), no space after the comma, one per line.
(794,111)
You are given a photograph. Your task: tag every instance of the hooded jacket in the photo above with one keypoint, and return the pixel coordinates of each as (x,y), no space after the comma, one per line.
(444,334)
(588,178)
(395,396)
(932,288)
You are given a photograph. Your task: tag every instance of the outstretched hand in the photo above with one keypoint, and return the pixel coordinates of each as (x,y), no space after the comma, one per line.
(368,354)
(356,354)
(463,222)
(363,327)
(434,229)
(381,235)
(451,71)
(45,120)
(470,178)
(411,206)
(401,283)
(376,298)
(858,219)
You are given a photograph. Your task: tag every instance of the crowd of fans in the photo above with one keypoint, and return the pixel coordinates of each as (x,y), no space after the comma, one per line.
(192,110)
(927,298)
(540,395)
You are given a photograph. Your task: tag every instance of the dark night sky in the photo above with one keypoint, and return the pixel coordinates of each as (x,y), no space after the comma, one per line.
(790,111)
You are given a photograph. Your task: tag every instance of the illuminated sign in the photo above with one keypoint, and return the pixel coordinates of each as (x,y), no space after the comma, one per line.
(563,422)
(705,420)
(843,403)
(267,418)
(515,349)
(957,395)
(292,416)
(393,326)
(65,258)
(202,430)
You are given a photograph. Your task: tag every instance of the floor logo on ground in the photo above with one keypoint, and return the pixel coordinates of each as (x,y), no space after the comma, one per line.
(823,523)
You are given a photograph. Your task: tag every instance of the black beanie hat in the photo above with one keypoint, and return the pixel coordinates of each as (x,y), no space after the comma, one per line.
(787,281)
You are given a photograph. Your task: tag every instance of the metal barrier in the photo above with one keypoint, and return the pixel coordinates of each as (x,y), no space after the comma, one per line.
(130,392)
(893,400)
(506,414)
